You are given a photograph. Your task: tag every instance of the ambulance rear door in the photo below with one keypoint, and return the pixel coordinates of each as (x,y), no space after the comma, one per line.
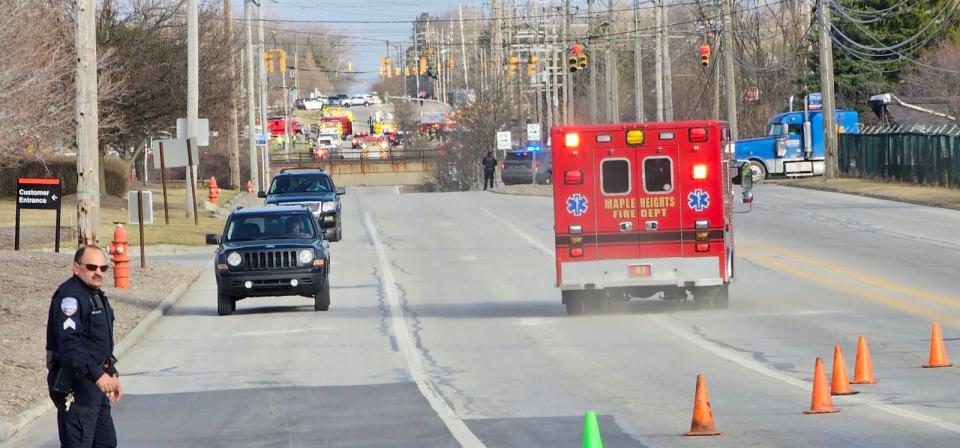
(658,198)
(616,192)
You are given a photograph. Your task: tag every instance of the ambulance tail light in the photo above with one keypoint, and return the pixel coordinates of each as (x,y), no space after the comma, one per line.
(571,140)
(697,134)
(536,165)
(573,177)
(703,247)
(576,246)
(700,171)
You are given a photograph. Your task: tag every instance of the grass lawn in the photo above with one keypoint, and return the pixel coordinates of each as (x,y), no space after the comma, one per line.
(180,231)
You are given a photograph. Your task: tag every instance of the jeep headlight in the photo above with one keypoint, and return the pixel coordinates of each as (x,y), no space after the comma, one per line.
(305,256)
(234,259)
(328,207)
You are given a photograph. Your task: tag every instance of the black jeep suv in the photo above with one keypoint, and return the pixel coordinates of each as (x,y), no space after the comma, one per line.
(313,189)
(271,251)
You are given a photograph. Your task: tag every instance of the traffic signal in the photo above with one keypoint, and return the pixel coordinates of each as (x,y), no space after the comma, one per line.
(423,65)
(349,66)
(396,71)
(532,65)
(406,71)
(582,61)
(704,55)
(573,63)
(577,59)
(283,59)
(512,66)
(268,60)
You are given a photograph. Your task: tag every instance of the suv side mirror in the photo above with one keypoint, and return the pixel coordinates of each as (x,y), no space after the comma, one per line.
(213,239)
(261,194)
(341,191)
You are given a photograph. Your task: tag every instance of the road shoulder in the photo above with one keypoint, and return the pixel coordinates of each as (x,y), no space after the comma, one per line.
(909,193)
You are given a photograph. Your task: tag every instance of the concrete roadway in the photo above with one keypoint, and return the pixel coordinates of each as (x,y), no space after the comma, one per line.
(446,330)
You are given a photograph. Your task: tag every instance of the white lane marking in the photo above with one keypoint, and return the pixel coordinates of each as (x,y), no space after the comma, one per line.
(468,258)
(535,321)
(794,313)
(765,370)
(539,246)
(279,332)
(454,424)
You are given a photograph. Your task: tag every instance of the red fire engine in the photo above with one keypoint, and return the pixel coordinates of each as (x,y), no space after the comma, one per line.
(642,209)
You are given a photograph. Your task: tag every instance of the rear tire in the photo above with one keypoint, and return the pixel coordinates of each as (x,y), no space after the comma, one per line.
(225,305)
(717,297)
(321,298)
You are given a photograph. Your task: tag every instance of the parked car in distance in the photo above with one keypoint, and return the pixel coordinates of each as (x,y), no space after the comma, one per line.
(270,251)
(519,167)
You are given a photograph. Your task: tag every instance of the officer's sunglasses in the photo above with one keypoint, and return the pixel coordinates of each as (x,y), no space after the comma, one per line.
(94,267)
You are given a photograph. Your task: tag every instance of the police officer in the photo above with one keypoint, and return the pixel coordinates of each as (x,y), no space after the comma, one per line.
(489,167)
(82,376)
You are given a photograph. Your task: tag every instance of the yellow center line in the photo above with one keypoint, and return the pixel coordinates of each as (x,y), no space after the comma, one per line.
(884,299)
(953,302)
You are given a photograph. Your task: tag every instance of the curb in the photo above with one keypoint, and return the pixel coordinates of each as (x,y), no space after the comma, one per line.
(10,426)
(871,195)
(516,193)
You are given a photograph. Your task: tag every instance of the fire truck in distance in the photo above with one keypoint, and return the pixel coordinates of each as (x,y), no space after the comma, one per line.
(644,209)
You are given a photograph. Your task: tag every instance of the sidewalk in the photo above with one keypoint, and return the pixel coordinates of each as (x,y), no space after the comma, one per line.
(914,194)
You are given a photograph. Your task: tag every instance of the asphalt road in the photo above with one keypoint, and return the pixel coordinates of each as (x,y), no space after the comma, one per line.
(446,329)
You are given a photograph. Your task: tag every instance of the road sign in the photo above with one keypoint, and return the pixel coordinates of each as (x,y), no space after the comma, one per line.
(133,207)
(261,139)
(39,194)
(174,152)
(504,140)
(814,101)
(533,132)
(203,131)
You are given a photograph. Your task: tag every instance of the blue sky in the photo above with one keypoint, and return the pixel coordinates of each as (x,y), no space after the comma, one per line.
(365,53)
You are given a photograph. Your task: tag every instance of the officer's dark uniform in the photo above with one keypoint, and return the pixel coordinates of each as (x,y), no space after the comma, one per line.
(80,340)
(489,167)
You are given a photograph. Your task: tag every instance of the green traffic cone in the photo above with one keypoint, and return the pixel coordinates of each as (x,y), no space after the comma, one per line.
(591,431)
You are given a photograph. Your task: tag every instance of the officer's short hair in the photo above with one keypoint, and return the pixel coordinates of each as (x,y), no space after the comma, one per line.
(78,255)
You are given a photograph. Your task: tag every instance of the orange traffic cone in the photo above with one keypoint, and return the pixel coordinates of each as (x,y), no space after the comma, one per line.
(821,403)
(839,384)
(249,187)
(863,372)
(702,424)
(938,354)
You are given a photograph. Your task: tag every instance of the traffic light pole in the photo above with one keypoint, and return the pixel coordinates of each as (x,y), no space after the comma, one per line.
(265,157)
(729,75)
(193,97)
(593,64)
(251,110)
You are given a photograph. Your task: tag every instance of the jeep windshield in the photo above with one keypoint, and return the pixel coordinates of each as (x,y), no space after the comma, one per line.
(273,226)
(301,184)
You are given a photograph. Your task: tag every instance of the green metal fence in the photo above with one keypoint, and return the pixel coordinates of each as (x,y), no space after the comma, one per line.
(912,158)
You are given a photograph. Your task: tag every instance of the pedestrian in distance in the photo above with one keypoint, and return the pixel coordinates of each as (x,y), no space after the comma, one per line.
(82,378)
(489,168)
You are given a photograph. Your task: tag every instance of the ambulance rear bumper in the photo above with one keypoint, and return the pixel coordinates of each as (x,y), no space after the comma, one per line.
(676,271)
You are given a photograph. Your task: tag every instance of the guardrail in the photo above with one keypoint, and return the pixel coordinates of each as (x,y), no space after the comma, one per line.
(353,156)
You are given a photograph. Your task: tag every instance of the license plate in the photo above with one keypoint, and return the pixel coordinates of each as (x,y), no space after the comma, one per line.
(639,270)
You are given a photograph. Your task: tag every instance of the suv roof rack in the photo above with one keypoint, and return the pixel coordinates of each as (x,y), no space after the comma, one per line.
(284,170)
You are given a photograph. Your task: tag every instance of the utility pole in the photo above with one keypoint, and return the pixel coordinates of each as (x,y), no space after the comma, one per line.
(613,79)
(826,86)
(637,65)
(416,57)
(729,75)
(88,171)
(265,156)
(251,109)
(592,44)
(567,118)
(234,123)
(463,51)
(193,97)
(667,69)
(715,72)
(658,19)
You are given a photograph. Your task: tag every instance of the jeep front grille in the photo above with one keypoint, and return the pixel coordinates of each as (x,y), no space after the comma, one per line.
(262,260)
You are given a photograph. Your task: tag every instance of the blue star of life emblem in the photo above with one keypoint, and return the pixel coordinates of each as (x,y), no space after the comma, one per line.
(577,204)
(699,200)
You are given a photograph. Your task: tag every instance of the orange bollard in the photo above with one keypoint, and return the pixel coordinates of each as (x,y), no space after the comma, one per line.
(119,252)
(820,403)
(938,354)
(863,372)
(702,424)
(840,385)
(214,193)
(249,187)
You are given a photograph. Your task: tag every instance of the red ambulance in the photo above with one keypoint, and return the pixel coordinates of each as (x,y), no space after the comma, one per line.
(642,209)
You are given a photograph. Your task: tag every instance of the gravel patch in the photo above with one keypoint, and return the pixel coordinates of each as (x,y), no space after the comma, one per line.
(28,280)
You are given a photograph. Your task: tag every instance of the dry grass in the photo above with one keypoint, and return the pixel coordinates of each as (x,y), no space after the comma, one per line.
(919,194)
(180,231)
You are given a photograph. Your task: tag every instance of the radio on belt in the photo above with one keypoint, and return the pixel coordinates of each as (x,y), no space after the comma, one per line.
(644,209)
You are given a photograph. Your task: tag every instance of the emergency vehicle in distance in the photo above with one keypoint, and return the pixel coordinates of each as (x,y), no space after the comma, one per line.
(642,209)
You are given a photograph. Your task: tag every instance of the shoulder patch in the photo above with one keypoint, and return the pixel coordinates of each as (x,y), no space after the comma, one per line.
(69,323)
(68,305)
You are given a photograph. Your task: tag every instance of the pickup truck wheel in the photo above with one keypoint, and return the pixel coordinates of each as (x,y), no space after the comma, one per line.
(225,305)
(757,171)
(321,298)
